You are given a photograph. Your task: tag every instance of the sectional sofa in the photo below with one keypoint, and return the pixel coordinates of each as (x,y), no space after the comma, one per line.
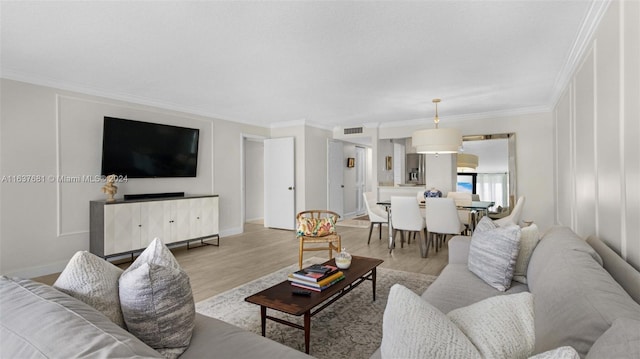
(584,295)
(95,310)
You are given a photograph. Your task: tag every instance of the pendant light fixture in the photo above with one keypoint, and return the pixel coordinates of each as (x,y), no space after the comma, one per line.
(467,162)
(437,140)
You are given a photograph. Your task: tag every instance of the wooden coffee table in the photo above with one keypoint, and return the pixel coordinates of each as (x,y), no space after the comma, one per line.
(280,297)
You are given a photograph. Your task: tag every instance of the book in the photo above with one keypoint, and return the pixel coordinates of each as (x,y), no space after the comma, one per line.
(321,283)
(314,288)
(315,276)
(318,268)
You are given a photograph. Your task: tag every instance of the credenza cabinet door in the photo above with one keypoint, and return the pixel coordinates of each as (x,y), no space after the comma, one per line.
(180,220)
(156,221)
(203,217)
(122,228)
(208,216)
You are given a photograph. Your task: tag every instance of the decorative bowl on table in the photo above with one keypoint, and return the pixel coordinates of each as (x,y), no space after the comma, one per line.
(343,259)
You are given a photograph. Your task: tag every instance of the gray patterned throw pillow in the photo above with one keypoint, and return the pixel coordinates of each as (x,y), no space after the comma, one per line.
(157,301)
(493,253)
(94,281)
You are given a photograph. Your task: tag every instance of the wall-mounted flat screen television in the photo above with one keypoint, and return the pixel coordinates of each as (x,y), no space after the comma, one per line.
(147,150)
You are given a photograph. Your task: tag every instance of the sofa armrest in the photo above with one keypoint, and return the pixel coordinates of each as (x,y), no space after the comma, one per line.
(459,249)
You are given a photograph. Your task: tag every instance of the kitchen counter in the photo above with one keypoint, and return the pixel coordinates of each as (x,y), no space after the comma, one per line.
(385,192)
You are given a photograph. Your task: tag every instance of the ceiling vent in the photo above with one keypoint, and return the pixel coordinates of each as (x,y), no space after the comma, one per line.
(352,130)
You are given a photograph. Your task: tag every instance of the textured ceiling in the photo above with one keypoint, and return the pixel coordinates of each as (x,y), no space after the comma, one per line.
(329,63)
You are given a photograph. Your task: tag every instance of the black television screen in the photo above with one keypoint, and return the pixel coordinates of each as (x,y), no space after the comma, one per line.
(144,150)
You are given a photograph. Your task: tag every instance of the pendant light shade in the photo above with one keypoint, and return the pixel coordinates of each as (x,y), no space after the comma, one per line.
(437,140)
(467,162)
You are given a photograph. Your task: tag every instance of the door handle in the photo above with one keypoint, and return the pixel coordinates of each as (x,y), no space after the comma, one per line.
(341,186)
(291,188)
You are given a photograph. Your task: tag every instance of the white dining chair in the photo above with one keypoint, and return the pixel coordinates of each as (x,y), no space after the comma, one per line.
(463,199)
(405,216)
(377,215)
(514,216)
(442,219)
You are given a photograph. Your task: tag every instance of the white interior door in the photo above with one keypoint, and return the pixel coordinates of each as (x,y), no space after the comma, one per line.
(336,178)
(279,183)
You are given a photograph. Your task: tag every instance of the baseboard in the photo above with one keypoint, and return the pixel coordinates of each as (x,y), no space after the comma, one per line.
(39,271)
(231,231)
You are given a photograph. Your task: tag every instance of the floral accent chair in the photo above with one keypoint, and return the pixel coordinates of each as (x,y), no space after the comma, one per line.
(317,227)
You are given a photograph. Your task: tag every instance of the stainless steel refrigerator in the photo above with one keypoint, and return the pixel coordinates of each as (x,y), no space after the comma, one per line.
(414,165)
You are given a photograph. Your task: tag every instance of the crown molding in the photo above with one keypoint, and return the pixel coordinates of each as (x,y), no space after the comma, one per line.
(580,45)
(115,96)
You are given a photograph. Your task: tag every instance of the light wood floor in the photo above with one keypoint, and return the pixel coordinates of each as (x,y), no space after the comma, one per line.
(259,251)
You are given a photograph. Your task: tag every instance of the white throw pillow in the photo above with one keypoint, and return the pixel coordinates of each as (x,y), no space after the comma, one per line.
(566,352)
(413,328)
(500,326)
(493,253)
(157,301)
(529,238)
(94,281)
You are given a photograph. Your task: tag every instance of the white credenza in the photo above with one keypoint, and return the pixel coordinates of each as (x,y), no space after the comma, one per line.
(124,227)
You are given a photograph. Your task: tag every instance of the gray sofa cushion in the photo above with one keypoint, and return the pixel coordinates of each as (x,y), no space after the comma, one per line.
(621,341)
(456,287)
(38,321)
(215,338)
(576,300)
(620,270)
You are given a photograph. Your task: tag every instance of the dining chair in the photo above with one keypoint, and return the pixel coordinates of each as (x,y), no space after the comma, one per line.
(463,199)
(514,216)
(405,216)
(442,219)
(317,226)
(377,215)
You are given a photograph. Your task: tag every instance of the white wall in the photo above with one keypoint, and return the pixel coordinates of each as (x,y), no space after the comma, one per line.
(316,172)
(50,132)
(597,126)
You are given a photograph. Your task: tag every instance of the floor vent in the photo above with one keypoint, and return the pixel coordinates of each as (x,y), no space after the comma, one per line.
(352,130)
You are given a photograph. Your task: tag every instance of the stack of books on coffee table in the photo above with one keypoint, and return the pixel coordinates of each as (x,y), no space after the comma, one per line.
(317,277)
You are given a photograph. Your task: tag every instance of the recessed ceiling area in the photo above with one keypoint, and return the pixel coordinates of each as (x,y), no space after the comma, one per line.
(325,63)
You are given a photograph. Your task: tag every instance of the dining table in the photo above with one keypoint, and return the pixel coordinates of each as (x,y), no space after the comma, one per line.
(478,209)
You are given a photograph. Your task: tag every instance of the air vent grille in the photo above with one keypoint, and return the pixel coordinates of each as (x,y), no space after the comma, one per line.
(352,130)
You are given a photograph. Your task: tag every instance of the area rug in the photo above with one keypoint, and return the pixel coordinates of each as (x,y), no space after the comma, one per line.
(349,328)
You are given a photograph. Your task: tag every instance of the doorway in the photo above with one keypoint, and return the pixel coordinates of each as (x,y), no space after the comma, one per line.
(252,180)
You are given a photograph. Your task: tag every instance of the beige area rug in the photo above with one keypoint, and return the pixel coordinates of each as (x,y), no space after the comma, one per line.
(349,328)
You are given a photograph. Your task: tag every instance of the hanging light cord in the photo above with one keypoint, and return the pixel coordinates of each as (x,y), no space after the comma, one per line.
(436,119)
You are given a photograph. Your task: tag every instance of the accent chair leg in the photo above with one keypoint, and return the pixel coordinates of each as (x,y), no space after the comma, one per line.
(370,231)
(301,249)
